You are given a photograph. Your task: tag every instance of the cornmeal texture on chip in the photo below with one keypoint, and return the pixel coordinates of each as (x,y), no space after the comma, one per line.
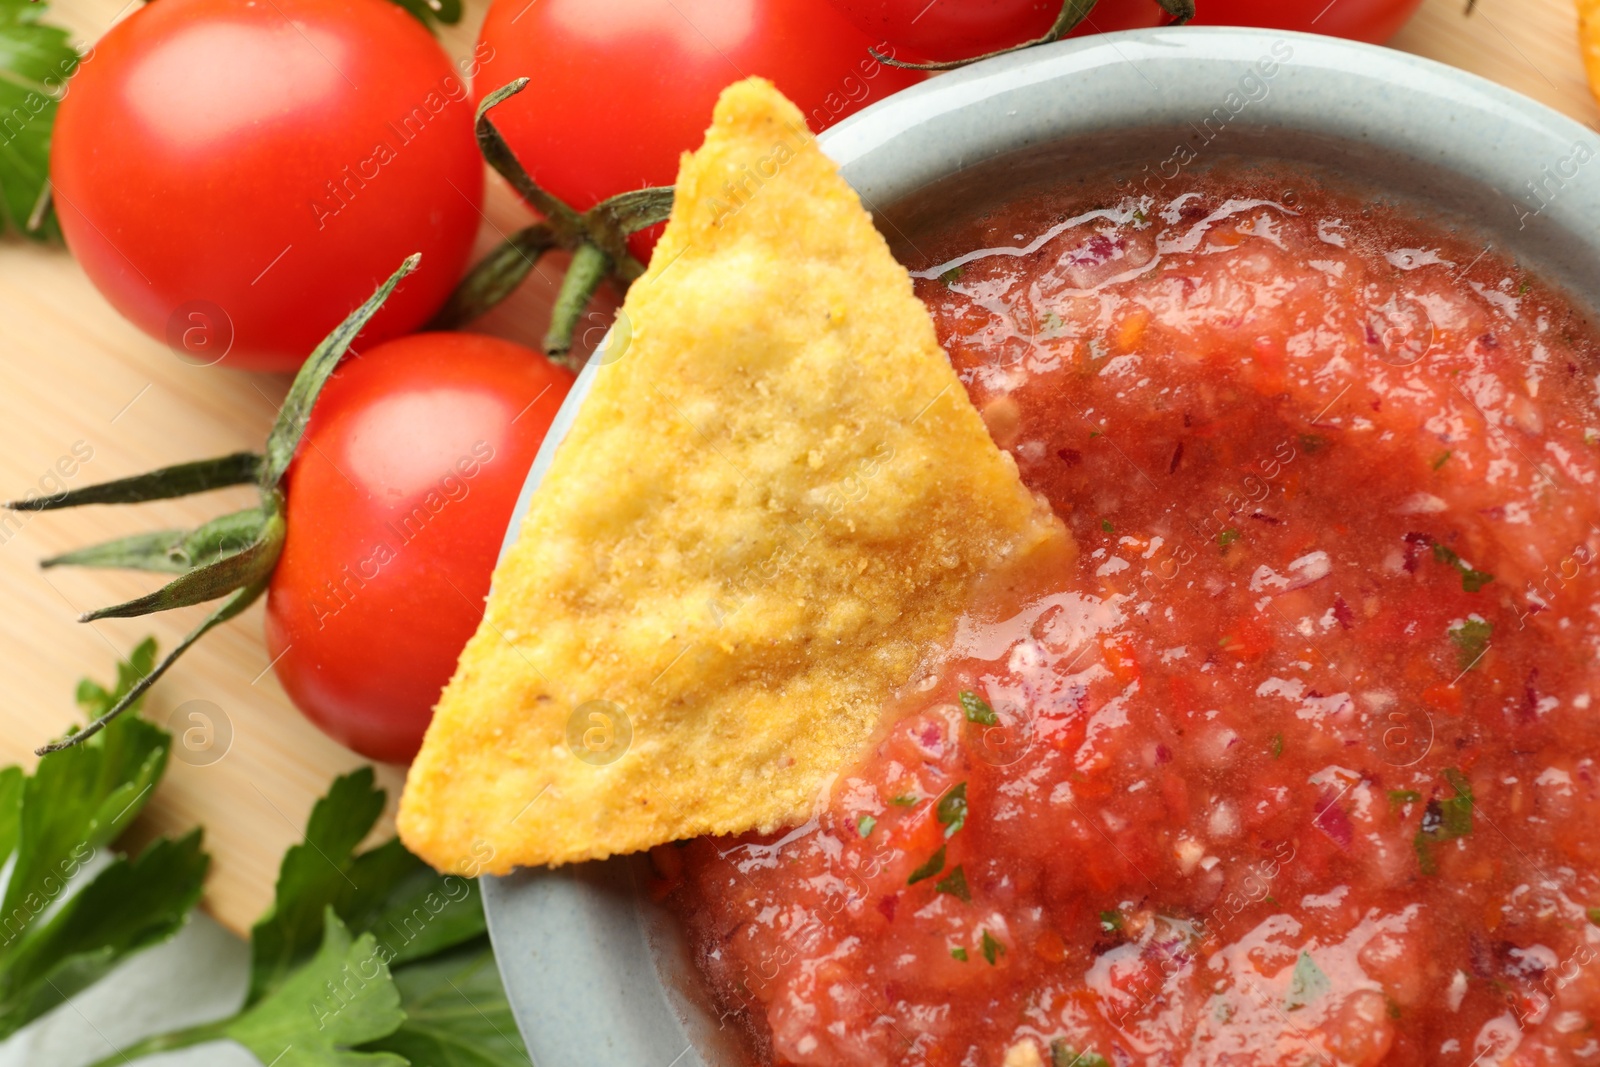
(771,506)
(1589,42)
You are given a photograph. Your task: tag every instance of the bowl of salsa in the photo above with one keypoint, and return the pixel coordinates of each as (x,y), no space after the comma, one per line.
(1297,764)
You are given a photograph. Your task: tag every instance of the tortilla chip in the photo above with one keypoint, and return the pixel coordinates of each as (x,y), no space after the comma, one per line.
(1589,42)
(771,506)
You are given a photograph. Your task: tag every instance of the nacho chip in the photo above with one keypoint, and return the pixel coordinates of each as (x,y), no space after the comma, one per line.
(1589,42)
(771,506)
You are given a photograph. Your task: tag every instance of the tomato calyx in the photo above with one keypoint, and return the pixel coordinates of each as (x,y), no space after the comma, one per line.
(597,240)
(230,558)
(1073,12)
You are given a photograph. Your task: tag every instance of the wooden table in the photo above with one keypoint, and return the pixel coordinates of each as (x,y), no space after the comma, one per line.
(74,371)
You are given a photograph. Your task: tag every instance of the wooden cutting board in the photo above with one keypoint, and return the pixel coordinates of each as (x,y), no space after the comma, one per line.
(77,377)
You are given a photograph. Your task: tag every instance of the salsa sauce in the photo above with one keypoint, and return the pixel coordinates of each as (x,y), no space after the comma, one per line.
(1297,764)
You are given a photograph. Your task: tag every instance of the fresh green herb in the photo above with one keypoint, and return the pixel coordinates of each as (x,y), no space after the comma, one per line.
(1275,745)
(1471,580)
(977,709)
(1093,434)
(1111,921)
(934,865)
(955,884)
(1594,916)
(992,948)
(953,275)
(34,56)
(1271,900)
(1306,984)
(1392,1005)
(952,809)
(1105,524)
(1228,537)
(1524,287)
(1224,641)
(53,825)
(428,12)
(1312,443)
(1444,457)
(1591,437)
(1064,1055)
(1444,820)
(1139,216)
(905,800)
(1471,639)
(1399,797)
(959,953)
(457,1012)
(865,824)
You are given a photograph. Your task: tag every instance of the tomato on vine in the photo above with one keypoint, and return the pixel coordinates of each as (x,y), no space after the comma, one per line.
(620,88)
(235,176)
(397,502)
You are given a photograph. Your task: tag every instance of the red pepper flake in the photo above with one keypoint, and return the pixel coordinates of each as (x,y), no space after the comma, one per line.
(1341,612)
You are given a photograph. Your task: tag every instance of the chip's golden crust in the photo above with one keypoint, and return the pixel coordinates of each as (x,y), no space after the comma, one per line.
(1589,42)
(768,509)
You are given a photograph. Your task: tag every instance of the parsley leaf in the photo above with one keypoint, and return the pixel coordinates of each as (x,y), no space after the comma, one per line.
(456,1012)
(865,824)
(905,800)
(1228,537)
(1471,640)
(977,709)
(1111,921)
(959,953)
(386,890)
(952,809)
(53,824)
(955,884)
(35,60)
(341,998)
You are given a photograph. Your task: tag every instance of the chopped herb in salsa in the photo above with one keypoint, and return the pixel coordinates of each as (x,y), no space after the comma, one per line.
(865,824)
(1471,639)
(1306,985)
(1275,746)
(1111,921)
(1228,537)
(955,884)
(952,809)
(1064,1055)
(1471,580)
(934,865)
(1400,797)
(953,275)
(1444,457)
(992,948)
(1444,820)
(1105,524)
(959,953)
(904,800)
(977,709)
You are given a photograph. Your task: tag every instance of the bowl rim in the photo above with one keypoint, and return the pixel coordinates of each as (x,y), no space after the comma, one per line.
(591,973)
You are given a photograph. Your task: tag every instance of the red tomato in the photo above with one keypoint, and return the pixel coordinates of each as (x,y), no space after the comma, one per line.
(237,176)
(1362,20)
(398,500)
(621,88)
(961,29)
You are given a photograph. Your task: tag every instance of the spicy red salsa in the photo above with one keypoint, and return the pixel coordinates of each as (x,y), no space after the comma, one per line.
(1298,765)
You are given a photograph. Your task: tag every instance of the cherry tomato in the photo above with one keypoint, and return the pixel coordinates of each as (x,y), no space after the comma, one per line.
(1362,20)
(961,29)
(621,88)
(237,176)
(397,502)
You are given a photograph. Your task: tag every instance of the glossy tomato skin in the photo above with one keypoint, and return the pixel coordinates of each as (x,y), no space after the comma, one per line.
(233,170)
(397,503)
(621,88)
(1374,21)
(961,29)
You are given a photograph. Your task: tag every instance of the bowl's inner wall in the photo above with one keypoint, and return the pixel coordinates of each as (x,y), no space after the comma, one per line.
(1145,161)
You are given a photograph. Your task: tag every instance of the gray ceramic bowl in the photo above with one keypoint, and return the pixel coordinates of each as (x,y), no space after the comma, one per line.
(595,974)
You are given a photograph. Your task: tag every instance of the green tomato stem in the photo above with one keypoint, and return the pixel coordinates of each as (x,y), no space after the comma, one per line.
(588,269)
